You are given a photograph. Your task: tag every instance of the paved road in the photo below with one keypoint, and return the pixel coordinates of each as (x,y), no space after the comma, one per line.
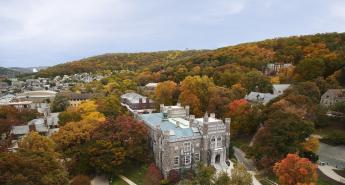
(100,180)
(328,171)
(333,155)
(241,157)
(127,180)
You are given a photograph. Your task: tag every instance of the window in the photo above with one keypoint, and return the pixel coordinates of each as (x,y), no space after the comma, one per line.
(187,146)
(187,159)
(197,156)
(176,161)
(219,141)
(213,142)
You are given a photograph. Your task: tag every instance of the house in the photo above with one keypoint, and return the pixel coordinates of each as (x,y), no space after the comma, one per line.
(137,103)
(151,86)
(75,99)
(39,98)
(274,68)
(332,96)
(278,89)
(257,97)
(179,140)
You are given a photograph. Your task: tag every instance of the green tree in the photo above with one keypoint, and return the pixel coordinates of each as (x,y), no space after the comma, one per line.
(31,168)
(309,69)
(256,81)
(282,133)
(240,176)
(60,103)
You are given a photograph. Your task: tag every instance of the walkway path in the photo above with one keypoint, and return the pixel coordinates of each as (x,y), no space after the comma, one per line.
(100,180)
(129,182)
(328,171)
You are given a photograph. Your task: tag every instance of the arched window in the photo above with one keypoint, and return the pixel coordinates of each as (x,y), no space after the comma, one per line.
(213,142)
(219,141)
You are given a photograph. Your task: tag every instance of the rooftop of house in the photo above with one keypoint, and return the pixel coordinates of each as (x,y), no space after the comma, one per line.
(281,87)
(155,120)
(80,96)
(340,93)
(260,97)
(41,93)
(151,85)
(135,97)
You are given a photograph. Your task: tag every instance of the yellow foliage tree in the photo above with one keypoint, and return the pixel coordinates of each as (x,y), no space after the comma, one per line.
(165,91)
(312,144)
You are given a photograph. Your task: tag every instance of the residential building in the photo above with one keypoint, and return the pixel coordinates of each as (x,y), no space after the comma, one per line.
(257,97)
(179,140)
(75,99)
(137,103)
(332,96)
(278,89)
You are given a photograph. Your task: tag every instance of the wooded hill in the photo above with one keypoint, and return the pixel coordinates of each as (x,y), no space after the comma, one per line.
(314,56)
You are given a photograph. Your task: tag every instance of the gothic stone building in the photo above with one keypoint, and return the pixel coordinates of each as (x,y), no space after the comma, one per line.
(179,140)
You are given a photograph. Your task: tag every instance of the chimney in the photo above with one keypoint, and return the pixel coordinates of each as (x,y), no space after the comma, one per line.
(191,120)
(161,107)
(140,100)
(187,110)
(147,100)
(178,104)
(32,127)
(212,115)
(206,117)
(227,124)
(177,124)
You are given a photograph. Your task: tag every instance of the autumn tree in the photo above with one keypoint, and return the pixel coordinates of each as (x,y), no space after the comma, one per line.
(294,170)
(205,174)
(153,175)
(310,68)
(195,92)
(281,134)
(240,176)
(35,142)
(173,176)
(312,144)
(31,168)
(81,180)
(166,92)
(110,105)
(245,118)
(115,142)
(74,134)
(256,81)
(222,179)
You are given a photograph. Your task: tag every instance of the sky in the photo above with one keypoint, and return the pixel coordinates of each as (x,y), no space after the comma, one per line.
(48,32)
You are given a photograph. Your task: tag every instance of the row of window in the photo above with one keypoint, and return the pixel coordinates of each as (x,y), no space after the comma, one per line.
(187,159)
(216,142)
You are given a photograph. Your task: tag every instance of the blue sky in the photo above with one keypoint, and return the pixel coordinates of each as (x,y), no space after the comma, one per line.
(48,32)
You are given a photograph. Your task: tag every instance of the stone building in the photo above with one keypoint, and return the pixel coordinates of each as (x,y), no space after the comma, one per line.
(179,140)
(137,103)
(332,96)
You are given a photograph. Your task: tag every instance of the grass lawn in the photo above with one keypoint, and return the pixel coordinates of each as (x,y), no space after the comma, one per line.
(333,125)
(134,172)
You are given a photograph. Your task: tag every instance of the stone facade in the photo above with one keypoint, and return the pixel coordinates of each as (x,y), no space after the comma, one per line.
(180,141)
(332,96)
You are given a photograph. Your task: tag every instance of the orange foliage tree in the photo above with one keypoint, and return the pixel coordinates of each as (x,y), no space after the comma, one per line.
(294,170)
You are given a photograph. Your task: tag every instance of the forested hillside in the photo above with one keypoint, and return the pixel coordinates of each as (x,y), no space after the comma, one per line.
(320,55)
(118,61)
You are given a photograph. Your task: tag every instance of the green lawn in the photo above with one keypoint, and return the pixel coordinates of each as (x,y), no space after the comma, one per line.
(134,172)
